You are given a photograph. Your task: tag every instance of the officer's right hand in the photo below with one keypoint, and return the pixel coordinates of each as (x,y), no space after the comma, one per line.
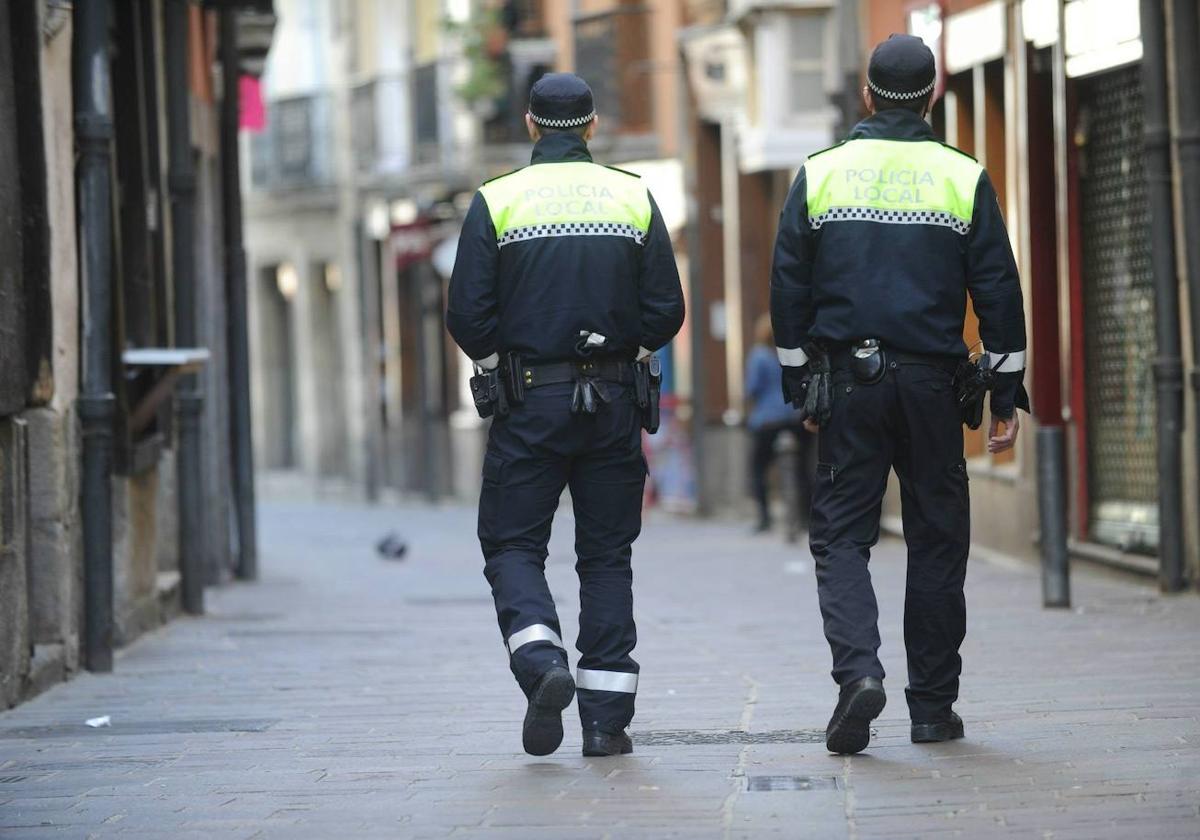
(1003,441)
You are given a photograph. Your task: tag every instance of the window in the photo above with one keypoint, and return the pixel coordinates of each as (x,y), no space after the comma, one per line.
(141,316)
(806,64)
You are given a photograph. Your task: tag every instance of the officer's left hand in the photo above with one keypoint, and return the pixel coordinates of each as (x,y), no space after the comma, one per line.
(810,426)
(1002,442)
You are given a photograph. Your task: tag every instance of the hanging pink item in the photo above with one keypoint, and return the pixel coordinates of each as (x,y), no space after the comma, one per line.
(254,115)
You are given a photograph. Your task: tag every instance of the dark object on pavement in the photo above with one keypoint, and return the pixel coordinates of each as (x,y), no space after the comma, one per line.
(598,744)
(543,732)
(859,703)
(392,546)
(933,732)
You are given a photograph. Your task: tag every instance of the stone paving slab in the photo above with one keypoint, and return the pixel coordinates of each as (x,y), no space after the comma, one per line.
(350,696)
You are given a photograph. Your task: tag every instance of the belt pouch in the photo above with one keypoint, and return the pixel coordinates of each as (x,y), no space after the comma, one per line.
(867,361)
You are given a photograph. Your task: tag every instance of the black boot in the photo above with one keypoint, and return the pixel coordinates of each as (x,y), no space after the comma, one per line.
(936,731)
(543,732)
(859,703)
(598,743)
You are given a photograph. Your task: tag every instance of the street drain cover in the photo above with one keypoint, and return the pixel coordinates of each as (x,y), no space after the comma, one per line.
(157,727)
(702,737)
(791,783)
(12,780)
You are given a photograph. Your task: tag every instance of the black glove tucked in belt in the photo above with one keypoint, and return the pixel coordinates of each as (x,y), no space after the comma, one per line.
(810,388)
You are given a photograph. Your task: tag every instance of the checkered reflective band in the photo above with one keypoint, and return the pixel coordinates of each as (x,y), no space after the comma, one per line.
(565,123)
(890,217)
(900,97)
(572,229)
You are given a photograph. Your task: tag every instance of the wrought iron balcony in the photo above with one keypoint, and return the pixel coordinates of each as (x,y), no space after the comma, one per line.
(295,151)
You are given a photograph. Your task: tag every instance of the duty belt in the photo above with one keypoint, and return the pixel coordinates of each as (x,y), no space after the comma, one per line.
(842,358)
(534,376)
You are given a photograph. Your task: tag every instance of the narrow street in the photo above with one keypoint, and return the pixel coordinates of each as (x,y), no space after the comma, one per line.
(351,696)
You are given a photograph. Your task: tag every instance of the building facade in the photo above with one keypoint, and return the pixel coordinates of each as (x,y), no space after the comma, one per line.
(1061,125)
(383,119)
(374,150)
(112,306)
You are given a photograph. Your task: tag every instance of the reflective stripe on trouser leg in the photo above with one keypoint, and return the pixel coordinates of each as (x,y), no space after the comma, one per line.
(614,681)
(606,698)
(533,633)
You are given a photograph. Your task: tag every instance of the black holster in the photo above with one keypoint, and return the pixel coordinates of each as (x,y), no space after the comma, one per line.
(489,394)
(647,384)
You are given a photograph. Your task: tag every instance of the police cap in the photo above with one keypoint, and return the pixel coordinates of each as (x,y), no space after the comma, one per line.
(902,69)
(561,100)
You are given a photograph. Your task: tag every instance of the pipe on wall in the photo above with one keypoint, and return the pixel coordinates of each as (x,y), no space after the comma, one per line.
(1185,34)
(189,398)
(238,336)
(1168,364)
(96,404)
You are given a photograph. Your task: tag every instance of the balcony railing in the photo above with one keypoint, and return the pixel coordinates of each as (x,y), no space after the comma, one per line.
(382,136)
(612,51)
(295,150)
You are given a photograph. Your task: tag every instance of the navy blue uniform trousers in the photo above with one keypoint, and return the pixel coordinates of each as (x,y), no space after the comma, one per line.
(533,454)
(908,421)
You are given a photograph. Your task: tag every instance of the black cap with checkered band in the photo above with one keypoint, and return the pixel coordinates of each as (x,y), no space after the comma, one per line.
(902,69)
(561,100)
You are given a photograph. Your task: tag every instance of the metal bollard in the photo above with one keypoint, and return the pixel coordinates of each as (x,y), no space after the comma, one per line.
(1052,508)
(788,450)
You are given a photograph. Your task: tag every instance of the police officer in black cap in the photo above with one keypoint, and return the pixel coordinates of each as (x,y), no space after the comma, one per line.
(881,240)
(564,285)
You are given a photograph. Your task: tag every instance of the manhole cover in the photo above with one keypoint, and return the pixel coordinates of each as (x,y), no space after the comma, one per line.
(701,737)
(791,783)
(158,727)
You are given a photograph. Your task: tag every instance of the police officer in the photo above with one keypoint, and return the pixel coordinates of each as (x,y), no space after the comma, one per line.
(880,241)
(565,276)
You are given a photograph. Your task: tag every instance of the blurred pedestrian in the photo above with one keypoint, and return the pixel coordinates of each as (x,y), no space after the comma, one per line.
(881,239)
(769,418)
(564,283)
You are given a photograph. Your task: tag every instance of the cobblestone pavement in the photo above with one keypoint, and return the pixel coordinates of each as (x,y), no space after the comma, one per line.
(350,696)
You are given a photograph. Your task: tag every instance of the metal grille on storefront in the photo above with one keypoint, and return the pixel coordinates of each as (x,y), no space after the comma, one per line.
(1119,312)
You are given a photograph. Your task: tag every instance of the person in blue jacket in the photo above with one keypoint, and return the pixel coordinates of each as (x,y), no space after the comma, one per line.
(769,416)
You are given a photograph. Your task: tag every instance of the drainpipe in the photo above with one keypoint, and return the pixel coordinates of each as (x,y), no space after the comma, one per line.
(189,398)
(1168,366)
(1185,30)
(697,305)
(93,132)
(235,290)
(1053,507)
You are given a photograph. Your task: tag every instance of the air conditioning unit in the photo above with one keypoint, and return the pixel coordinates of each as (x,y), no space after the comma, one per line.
(716,59)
